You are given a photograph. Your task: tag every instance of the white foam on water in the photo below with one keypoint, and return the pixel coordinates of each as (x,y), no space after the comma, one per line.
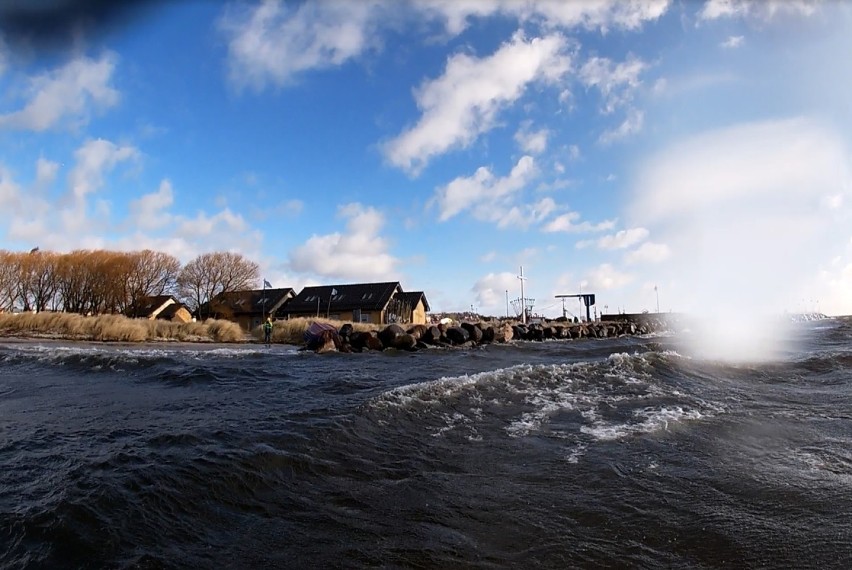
(652,420)
(527,400)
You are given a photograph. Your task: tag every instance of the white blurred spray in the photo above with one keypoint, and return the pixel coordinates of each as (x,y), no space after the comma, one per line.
(751,214)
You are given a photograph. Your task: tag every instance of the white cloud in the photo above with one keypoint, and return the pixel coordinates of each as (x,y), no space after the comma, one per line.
(464,102)
(66,96)
(757,9)
(617,82)
(490,292)
(605,277)
(623,239)
(531,142)
(46,171)
(519,216)
(648,252)
(733,42)
(203,225)
(483,190)
(270,43)
(631,125)
(11,194)
(360,253)
(94,159)
(148,212)
(569,223)
(602,14)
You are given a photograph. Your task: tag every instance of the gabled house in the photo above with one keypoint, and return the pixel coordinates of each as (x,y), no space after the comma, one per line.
(249,308)
(356,302)
(163,307)
(410,308)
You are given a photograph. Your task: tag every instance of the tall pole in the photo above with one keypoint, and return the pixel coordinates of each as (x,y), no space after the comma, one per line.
(523,300)
(658,298)
(507,303)
(263,304)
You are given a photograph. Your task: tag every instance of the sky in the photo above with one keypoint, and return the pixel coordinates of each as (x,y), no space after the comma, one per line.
(684,156)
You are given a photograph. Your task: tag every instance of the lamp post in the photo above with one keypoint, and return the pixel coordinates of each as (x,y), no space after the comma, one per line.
(658,298)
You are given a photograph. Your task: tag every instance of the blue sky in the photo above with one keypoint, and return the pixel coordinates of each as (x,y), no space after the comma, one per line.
(702,148)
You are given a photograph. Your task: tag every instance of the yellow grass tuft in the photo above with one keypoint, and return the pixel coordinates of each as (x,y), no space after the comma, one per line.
(116,328)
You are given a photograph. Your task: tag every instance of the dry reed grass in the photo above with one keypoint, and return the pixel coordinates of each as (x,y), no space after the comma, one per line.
(116,328)
(292,331)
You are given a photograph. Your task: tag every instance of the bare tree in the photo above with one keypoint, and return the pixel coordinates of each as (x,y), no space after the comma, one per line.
(212,273)
(153,273)
(8,280)
(74,280)
(38,272)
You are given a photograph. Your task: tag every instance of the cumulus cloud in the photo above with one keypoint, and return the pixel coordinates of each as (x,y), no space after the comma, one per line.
(648,252)
(617,82)
(466,100)
(632,124)
(482,190)
(605,277)
(94,159)
(757,9)
(531,141)
(359,253)
(65,97)
(601,15)
(733,42)
(490,292)
(623,239)
(148,212)
(570,223)
(272,42)
(11,195)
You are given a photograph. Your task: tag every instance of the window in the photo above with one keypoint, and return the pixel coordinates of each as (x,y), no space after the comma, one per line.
(365,317)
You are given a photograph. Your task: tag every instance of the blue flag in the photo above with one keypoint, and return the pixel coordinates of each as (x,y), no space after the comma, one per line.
(267,284)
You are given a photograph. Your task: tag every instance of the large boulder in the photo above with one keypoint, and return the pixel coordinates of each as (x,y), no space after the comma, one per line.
(417,331)
(503,333)
(345,332)
(488,334)
(432,335)
(389,333)
(474,333)
(457,335)
(405,342)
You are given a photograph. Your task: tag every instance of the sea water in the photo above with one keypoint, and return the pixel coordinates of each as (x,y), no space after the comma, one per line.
(626,452)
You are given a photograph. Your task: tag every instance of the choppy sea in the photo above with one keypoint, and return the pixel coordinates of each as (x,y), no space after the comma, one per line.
(598,453)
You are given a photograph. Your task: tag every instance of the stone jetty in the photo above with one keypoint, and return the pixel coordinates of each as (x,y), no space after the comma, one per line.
(467,334)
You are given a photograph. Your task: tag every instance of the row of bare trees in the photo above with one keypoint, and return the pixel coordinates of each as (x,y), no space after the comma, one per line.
(98,281)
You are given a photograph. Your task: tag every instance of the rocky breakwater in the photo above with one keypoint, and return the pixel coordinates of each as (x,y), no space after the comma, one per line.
(466,334)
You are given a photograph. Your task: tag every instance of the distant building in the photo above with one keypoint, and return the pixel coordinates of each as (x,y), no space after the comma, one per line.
(411,307)
(376,303)
(248,308)
(163,307)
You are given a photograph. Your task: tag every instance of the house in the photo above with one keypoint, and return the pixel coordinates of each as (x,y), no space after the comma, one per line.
(411,307)
(377,303)
(163,307)
(249,308)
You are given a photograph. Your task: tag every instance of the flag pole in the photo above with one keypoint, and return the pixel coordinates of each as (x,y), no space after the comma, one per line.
(263,304)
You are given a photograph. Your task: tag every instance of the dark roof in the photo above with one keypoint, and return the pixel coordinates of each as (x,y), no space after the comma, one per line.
(144,306)
(412,298)
(249,302)
(347,297)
